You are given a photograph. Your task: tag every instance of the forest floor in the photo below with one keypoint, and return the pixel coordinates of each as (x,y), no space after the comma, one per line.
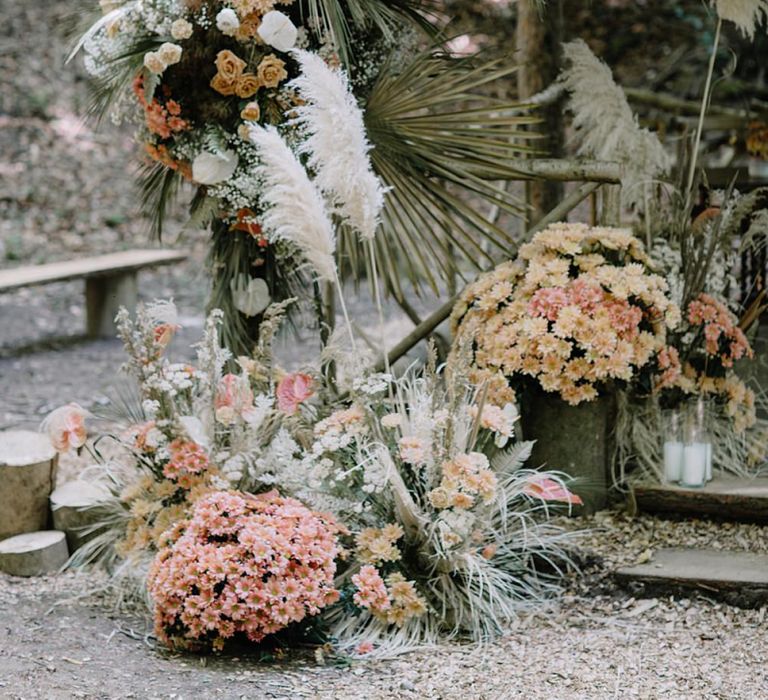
(64,192)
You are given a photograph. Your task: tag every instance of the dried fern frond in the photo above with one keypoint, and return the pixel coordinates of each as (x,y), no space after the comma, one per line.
(606,126)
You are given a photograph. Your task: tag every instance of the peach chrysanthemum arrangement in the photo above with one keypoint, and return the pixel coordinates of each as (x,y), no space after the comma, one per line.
(577,310)
(242,565)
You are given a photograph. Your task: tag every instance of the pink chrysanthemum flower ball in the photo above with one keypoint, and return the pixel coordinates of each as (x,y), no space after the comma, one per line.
(242,564)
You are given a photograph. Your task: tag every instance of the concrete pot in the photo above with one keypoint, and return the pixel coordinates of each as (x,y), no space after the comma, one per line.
(577,440)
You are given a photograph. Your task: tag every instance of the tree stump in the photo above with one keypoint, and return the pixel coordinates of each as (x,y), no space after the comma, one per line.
(33,553)
(27,476)
(71,507)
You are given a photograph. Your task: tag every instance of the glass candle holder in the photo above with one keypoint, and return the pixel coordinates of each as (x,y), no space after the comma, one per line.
(704,418)
(693,472)
(673,445)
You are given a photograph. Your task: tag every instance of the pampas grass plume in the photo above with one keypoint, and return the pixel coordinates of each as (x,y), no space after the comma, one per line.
(745,14)
(606,125)
(336,143)
(295,208)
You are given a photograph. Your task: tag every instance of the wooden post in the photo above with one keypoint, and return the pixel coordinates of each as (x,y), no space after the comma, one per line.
(539,38)
(27,476)
(610,214)
(104,295)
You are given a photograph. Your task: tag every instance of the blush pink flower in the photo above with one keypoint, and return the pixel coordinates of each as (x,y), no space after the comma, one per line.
(65,427)
(234,399)
(292,391)
(164,332)
(550,490)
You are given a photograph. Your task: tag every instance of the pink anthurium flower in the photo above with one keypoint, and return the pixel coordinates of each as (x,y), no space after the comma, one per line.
(550,490)
(65,427)
(293,390)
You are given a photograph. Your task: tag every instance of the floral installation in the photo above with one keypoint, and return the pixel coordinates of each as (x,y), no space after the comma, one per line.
(443,517)
(578,309)
(261,499)
(242,565)
(192,430)
(200,77)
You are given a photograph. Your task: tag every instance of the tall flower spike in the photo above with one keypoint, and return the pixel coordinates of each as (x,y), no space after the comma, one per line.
(745,14)
(336,143)
(295,208)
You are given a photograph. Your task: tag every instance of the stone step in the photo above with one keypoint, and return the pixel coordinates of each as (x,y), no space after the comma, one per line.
(725,496)
(740,578)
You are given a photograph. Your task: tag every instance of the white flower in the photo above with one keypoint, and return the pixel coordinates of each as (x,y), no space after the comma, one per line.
(194,429)
(150,407)
(277,30)
(211,168)
(250,296)
(181,29)
(227,21)
(169,53)
(391,420)
(154,63)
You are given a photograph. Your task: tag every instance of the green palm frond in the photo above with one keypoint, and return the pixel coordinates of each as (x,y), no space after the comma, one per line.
(159,187)
(442,147)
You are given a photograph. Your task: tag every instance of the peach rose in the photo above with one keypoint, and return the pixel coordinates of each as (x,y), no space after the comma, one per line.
(222,85)
(249,26)
(229,66)
(251,112)
(247,85)
(293,390)
(271,71)
(66,427)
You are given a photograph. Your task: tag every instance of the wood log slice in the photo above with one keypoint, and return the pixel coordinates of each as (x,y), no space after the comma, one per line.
(34,553)
(71,505)
(27,477)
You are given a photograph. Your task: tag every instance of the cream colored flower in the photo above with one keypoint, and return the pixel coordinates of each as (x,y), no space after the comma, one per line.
(212,168)
(227,21)
(277,30)
(170,53)
(251,112)
(154,63)
(181,29)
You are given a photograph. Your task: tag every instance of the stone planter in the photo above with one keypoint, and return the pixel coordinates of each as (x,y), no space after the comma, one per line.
(577,440)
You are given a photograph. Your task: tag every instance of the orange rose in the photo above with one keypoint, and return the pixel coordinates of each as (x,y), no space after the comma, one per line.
(247,85)
(222,85)
(229,66)
(271,71)
(251,112)
(249,26)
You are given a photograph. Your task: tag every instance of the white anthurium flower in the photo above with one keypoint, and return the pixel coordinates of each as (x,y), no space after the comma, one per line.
(212,168)
(277,30)
(227,21)
(250,296)
(193,426)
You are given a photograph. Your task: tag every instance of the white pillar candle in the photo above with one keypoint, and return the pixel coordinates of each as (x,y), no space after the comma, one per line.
(709,461)
(694,464)
(673,460)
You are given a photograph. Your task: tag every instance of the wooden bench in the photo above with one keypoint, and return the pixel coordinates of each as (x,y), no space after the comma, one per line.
(110,282)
